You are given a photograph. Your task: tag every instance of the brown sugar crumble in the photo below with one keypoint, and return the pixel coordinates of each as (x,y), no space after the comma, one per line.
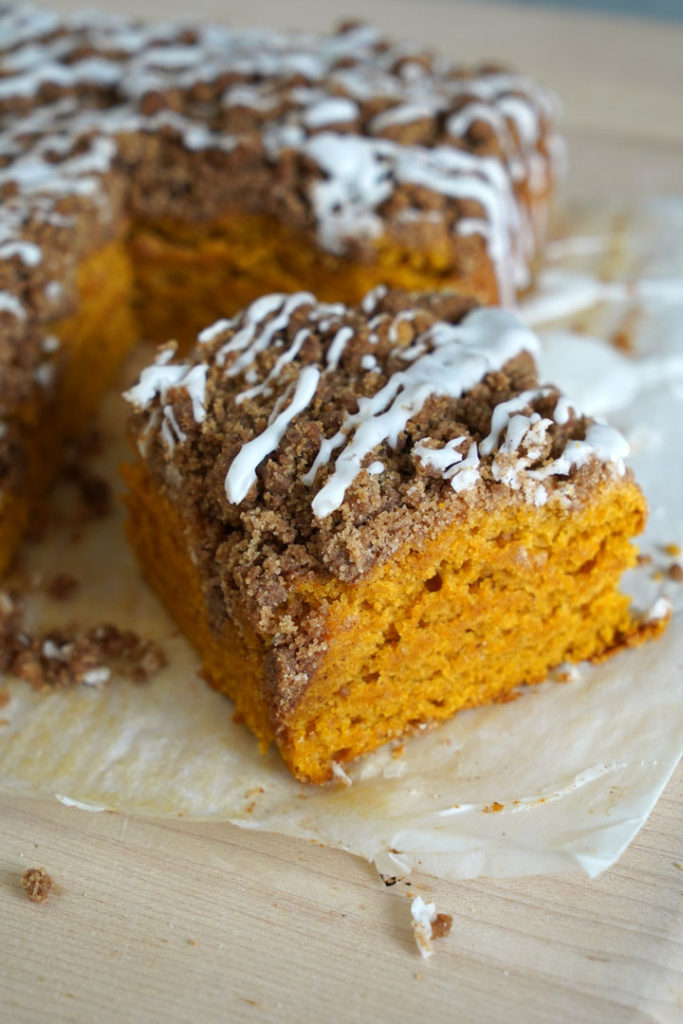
(675,572)
(70,657)
(37,884)
(62,587)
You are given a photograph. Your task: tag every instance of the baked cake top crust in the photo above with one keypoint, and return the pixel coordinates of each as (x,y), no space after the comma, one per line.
(308,439)
(345,136)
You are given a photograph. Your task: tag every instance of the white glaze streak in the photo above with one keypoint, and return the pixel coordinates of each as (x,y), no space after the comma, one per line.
(242,473)
(462,355)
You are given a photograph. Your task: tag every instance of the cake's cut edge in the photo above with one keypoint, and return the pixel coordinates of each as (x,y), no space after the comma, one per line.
(82,352)
(376,626)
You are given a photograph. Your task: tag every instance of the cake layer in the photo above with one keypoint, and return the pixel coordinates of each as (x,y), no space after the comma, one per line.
(369,519)
(189,274)
(398,657)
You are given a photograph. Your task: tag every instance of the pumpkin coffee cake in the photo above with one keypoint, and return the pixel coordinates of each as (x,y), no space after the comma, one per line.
(156,176)
(368,518)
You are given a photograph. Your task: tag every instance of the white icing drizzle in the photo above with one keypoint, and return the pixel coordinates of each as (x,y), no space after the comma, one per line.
(372,298)
(10,304)
(462,471)
(287,357)
(44,375)
(503,414)
(93,69)
(563,409)
(249,340)
(49,344)
(28,252)
(461,355)
(25,22)
(361,173)
(405,113)
(334,110)
(357,181)
(170,431)
(158,379)
(242,473)
(601,441)
(54,291)
(337,346)
(214,330)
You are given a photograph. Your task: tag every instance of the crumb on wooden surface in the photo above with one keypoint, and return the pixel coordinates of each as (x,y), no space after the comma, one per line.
(428,925)
(37,884)
(441,925)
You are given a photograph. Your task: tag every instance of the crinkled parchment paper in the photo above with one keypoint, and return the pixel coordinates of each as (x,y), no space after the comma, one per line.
(562,778)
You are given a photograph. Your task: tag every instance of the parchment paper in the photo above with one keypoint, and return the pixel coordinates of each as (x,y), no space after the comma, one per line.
(560,779)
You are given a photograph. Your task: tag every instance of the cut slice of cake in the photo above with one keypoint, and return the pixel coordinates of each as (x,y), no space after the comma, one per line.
(368,519)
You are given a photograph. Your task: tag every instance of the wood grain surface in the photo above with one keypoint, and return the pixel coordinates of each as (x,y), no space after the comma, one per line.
(182,922)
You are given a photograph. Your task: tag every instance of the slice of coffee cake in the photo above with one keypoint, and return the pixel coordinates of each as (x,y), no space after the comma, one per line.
(368,519)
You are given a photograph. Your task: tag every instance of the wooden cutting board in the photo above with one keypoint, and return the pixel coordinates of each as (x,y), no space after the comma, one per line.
(206,923)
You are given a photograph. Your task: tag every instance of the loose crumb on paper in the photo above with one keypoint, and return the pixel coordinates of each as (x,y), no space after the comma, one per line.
(494,808)
(37,884)
(428,925)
